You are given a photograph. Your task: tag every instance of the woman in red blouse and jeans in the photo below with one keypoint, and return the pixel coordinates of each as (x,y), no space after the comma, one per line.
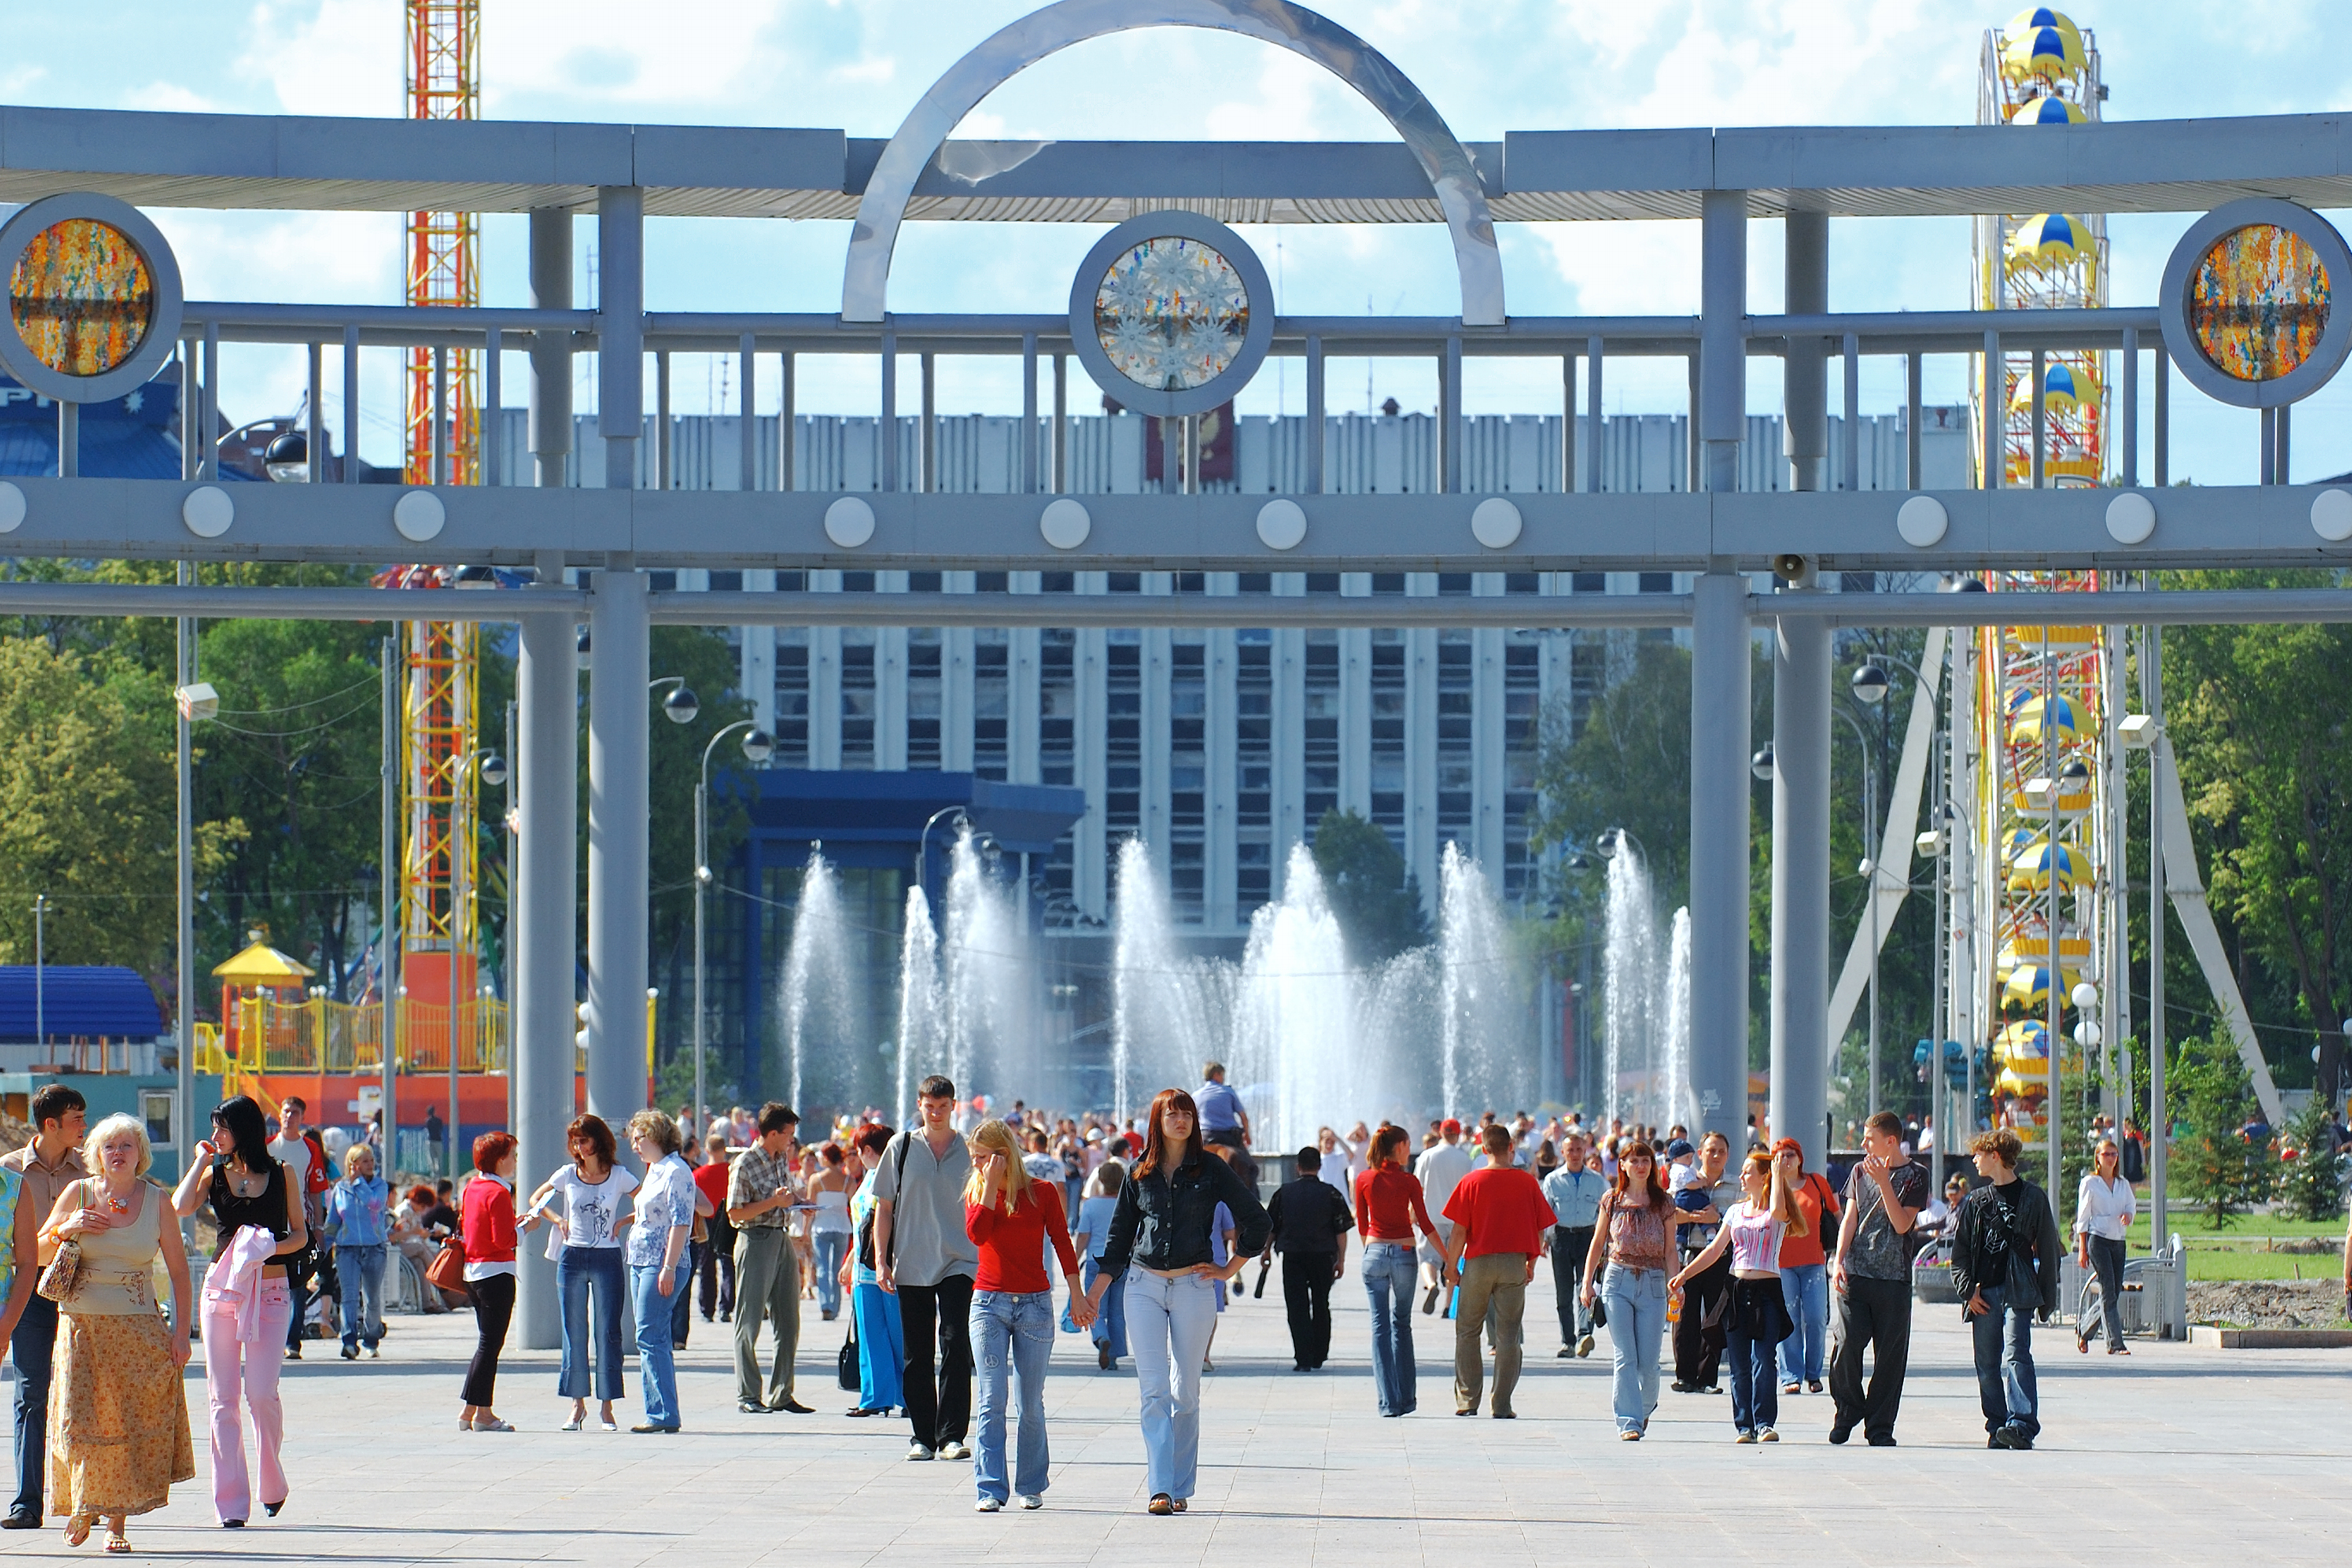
(1011,1219)
(488,1233)
(1389,1207)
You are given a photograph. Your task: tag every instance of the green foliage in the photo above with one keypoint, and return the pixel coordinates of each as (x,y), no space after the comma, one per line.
(1376,899)
(1628,766)
(88,798)
(2215,1168)
(2311,1185)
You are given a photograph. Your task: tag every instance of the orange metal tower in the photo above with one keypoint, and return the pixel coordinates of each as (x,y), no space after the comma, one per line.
(441,709)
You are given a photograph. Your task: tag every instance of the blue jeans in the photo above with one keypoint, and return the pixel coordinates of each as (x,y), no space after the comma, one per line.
(32,1346)
(2004,1348)
(1805,1289)
(881,1347)
(360,1271)
(656,1363)
(588,1277)
(1110,1324)
(1755,1397)
(832,1247)
(1637,1321)
(1012,1337)
(1389,1279)
(1172,1320)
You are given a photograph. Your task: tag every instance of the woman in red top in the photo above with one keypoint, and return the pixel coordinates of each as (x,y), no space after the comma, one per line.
(1805,1272)
(1011,1219)
(487,1228)
(1389,1206)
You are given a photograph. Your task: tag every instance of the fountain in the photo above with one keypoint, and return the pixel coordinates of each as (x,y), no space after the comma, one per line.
(821,1001)
(1647,1004)
(1293,1026)
(1479,1005)
(987,983)
(922,1028)
(1678,1104)
(1168,1011)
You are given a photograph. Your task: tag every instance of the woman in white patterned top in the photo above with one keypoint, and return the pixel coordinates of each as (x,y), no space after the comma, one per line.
(657,1258)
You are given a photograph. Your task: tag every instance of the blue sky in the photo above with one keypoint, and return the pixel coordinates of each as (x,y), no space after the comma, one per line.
(1499,66)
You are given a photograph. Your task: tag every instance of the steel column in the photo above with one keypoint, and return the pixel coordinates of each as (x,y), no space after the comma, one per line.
(1718,864)
(388,940)
(1853,443)
(1911,377)
(1805,373)
(1061,423)
(1800,883)
(746,415)
(617,807)
(788,471)
(1315,415)
(1029,464)
(351,406)
(68,440)
(547,686)
(1723,355)
(1449,416)
(550,353)
(620,330)
(2130,475)
(1593,432)
(1992,407)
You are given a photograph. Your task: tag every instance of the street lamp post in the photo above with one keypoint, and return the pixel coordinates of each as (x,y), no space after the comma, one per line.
(492,769)
(923,846)
(1870,869)
(756,748)
(192,699)
(40,1010)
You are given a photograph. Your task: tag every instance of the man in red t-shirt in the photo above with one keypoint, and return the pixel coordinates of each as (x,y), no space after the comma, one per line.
(1500,1221)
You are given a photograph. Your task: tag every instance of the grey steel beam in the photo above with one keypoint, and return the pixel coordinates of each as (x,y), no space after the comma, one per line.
(620,329)
(550,351)
(1800,883)
(1804,423)
(219,603)
(752,609)
(546,877)
(617,804)
(2194,607)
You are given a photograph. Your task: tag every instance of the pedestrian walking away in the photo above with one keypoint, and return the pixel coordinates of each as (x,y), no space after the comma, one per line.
(925,1258)
(1706,1194)
(297,1147)
(1308,1222)
(2005,1252)
(1756,1319)
(45,1167)
(655,1254)
(716,1272)
(761,1199)
(118,1437)
(581,1203)
(1870,1280)
(258,1216)
(356,1226)
(1390,1206)
(488,1235)
(1441,1165)
(1804,1270)
(1091,1236)
(1160,1242)
(2103,1211)
(1012,1217)
(1633,1253)
(881,1344)
(1500,1222)
(1573,1189)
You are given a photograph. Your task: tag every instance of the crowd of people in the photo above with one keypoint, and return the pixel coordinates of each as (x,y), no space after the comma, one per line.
(942,1240)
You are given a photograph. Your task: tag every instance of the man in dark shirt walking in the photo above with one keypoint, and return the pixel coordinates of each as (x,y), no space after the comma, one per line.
(1871,1278)
(1311,1223)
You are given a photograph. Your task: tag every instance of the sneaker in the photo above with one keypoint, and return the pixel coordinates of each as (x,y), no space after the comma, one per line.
(1584,1347)
(918,1452)
(953,1450)
(374,1354)
(1767,1436)
(351,1353)
(1102,1357)
(1429,1301)
(1887,1441)
(1744,1437)
(1033,1502)
(2013,1436)
(1840,1432)
(986,1505)
(1564,1352)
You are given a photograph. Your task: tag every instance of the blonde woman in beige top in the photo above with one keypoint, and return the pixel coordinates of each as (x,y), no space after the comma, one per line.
(118,1432)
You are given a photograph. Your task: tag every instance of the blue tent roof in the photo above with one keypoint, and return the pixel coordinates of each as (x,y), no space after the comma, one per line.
(128,438)
(78,999)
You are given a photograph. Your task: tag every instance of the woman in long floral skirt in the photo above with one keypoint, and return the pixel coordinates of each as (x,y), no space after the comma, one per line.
(117,1422)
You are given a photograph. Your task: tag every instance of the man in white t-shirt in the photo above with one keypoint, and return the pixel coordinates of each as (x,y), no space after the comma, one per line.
(298,1154)
(1441,1168)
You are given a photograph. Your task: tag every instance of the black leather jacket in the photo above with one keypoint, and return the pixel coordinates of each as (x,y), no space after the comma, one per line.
(2037,1235)
(1163,1220)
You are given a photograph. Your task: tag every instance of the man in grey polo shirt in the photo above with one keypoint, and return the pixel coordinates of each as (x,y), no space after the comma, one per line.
(923,1255)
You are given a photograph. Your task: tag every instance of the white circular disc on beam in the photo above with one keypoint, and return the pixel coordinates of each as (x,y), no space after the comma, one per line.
(2331,515)
(207,512)
(1063,524)
(1496,523)
(2131,518)
(1921,520)
(1281,524)
(849,522)
(12,508)
(419,515)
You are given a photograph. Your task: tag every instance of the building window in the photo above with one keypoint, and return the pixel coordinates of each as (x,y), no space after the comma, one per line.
(857,582)
(1388,581)
(1452,584)
(1255,583)
(922,582)
(857,695)
(1322,582)
(726,582)
(1657,583)
(1388,758)
(1456,766)
(1253,769)
(1122,740)
(662,581)
(1126,581)
(792,695)
(1057,582)
(1522,582)
(990,582)
(791,582)
(1522,735)
(1058,756)
(1588,583)
(924,692)
(1320,766)
(992,693)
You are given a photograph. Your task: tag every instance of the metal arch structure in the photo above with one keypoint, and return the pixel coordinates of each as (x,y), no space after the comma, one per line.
(1013,49)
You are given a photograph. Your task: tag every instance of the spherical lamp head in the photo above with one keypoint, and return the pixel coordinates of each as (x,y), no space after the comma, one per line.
(681,705)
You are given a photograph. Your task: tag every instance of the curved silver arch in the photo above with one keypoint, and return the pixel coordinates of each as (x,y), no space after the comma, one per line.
(865,282)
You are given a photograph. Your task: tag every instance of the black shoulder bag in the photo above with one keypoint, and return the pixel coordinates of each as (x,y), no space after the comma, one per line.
(866,1227)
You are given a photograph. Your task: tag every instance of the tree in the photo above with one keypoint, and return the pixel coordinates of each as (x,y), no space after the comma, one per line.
(2218,1169)
(1627,766)
(88,809)
(2312,1184)
(1376,899)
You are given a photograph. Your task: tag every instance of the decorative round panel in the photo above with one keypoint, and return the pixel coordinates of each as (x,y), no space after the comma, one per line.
(2247,305)
(1170,314)
(93,298)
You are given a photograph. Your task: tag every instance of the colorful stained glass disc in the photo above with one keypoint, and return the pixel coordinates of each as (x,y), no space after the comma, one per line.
(1171,313)
(2258,302)
(82,297)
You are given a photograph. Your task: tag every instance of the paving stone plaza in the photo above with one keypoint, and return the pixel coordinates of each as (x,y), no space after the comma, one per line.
(2177,1455)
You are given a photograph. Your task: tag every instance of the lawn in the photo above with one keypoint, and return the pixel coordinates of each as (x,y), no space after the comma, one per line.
(2236,1251)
